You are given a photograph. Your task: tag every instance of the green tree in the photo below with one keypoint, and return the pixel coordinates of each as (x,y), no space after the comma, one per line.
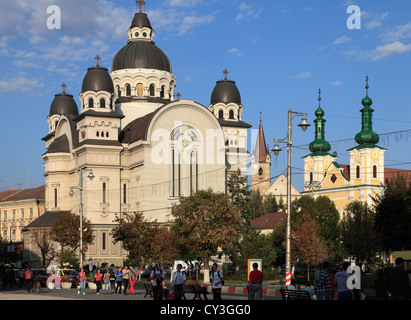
(66,233)
(136,235)
(359,237)
(255,205)
(204,222)
(270,204)
(322,210)
(238,192)
(393,215)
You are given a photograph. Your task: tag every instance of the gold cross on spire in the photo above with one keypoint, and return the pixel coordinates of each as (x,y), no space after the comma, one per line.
(178,95)
(98,60)
(319,94)
(225,72)
(64,86)
(141,3)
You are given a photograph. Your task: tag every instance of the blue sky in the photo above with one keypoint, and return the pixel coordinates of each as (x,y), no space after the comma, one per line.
(278,52)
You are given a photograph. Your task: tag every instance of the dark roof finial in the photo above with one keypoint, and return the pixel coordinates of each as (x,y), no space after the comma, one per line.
(225,72)
(319,96)
(178,95)
(98,60)
(366,84)
(64,86)
(141,3)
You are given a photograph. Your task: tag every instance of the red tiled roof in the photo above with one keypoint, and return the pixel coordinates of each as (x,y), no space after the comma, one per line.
(268,220)
(390,174)
(7,193)
(23,194)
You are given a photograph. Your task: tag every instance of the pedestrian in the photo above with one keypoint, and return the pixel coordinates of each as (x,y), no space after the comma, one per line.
(126,278)
(332,276)
(217,280)
(82,275)
(133,278)
(398,285)
(310,290)
(28,277)
(107,283)
(179,280)
(340,281)
(98,276)
(20,276)
(255,283)
(119,280)
(323,284)
(157,277)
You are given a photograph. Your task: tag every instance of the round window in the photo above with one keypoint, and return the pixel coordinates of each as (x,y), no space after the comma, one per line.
(144,34)
(136,34)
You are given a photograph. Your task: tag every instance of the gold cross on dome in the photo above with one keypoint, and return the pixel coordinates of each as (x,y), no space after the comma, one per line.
(141,3)
(178,95)
(64,86)
(319,94)
(225,72)
(98,60)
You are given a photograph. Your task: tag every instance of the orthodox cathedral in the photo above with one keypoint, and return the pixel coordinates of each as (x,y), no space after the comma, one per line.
(142,146)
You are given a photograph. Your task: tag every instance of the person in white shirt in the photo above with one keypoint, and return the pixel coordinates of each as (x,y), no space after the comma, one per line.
(179,280)
(217,279)
(157,277)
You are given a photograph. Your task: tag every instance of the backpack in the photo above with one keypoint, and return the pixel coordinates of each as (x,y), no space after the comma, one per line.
(220,276)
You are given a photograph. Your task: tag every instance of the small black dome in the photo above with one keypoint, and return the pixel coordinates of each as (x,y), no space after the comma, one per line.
(140,20)
(63,103)
(97,79)
(225,91)
(141,54)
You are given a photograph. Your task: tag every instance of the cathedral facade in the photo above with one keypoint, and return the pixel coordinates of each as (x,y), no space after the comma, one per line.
(143,147)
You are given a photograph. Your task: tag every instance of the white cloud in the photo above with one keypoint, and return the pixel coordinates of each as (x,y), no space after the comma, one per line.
(247,12)
(236,51)
(182,3)
(336,83)
(190,22)
(302,75)
(376,19)
(398,33)
(390,49)
(19,83)
(341,40)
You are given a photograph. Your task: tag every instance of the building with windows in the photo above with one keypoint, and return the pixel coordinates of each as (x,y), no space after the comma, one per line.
(145,146)
(18,208)
(362,179)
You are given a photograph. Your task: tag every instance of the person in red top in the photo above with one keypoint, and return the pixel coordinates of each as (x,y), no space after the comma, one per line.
(255,283)
(98,277)
(28,276)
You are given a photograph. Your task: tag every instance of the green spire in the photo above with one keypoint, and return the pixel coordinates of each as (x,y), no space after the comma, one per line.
(366,136)
(319,144)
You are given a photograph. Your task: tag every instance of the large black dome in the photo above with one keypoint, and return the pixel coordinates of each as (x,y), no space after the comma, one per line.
(225,91)
(63,103)
(97,79)
(141,54)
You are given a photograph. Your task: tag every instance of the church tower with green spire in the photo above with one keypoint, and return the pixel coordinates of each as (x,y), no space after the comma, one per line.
(319,159)
(367,158)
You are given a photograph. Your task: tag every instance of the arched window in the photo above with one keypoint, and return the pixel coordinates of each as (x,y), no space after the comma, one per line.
(311,177)
(260,171)
(231,114)
(139,89)
(91,103)
(102,103)
(118,91)
(162,92)
(152,90)
(374,172)
(220,114)
(128,90)
(357,172)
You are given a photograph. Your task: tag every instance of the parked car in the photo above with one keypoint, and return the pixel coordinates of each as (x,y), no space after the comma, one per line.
(66,273)
(42,276)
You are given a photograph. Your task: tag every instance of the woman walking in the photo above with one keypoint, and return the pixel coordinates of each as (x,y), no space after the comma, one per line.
(82,281)
(133,278)
(107,283)
(98,277)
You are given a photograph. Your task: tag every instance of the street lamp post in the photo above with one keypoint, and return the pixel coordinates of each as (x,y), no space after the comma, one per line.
(276,150)
(80,187)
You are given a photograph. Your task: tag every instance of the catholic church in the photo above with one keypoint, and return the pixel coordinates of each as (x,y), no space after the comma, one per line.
(360,180)
(133,146)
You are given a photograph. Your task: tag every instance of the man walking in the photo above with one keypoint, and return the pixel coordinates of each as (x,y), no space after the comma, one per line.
(323,283)
(179,280)
(126,278)
(255,283)
(398,284)
(28,276)
(340,281)
(119,280)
